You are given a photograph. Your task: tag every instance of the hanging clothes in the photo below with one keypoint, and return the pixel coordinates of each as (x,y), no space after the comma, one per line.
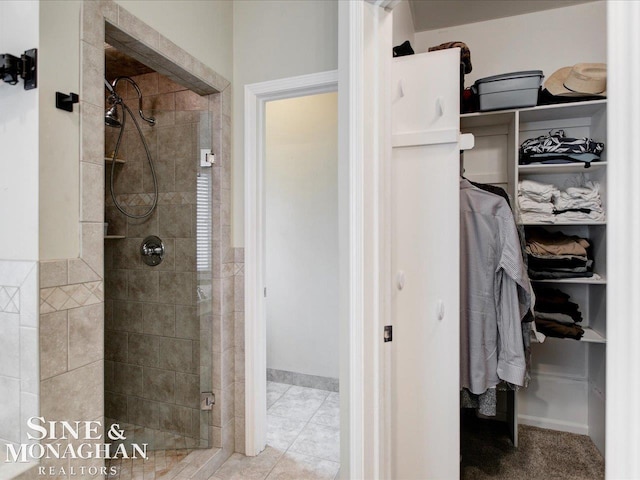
(496,293)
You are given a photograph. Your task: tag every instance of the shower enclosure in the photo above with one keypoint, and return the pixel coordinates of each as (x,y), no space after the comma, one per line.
(156,365)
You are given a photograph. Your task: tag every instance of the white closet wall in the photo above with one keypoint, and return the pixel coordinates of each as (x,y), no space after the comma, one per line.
(544,41)
(403,24)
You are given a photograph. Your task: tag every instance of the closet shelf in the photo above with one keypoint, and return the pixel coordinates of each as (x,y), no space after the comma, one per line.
(114,237)
(109,160)
(590,336)
(560,168)
(561,111)
(585,281)
(534,114)
(546,224)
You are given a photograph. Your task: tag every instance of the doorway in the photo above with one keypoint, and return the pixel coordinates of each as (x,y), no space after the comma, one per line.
(301,277)
(258,357)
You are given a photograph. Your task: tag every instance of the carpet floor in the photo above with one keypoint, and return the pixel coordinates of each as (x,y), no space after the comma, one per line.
(487,453)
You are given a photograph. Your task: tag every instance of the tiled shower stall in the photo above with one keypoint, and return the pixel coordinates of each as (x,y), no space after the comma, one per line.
(153,314)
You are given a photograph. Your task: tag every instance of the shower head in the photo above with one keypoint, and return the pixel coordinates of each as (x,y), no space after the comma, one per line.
(115,99)
(111,117)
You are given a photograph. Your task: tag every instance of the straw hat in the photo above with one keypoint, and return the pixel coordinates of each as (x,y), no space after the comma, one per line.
(582,79)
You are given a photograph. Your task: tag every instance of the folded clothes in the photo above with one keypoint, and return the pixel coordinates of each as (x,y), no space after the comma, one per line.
(588,189)
(543,242)
(552,328)
(553,304)
(567,203)
(569,217)
(549,158)
(549,256)
(543,275)
(572,311)
(557,261)
(545,203)
(533,217)
(558,317)
(581,210)
(550,295)
(528,205)
(537,191)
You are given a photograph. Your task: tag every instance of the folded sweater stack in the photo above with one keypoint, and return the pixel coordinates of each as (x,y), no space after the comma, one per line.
(554,255)
(556,316)
(545,203)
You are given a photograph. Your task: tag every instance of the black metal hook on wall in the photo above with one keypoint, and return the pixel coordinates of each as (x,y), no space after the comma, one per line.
(65,102)
(25,67)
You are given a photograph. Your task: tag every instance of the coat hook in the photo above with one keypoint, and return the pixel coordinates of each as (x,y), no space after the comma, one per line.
(65,102)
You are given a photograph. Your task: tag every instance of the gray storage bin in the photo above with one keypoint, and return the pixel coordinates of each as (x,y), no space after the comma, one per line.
(509,90)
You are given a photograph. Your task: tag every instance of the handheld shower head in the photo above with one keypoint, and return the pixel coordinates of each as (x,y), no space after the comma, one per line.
(116,99)
(111,117)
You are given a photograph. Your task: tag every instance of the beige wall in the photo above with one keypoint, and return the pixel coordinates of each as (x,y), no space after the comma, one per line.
(274,40)
(202,28)
(301,179)
(536,41)
(59,70)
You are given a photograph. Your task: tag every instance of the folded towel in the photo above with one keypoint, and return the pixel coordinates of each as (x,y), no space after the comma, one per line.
(526,204)
(537,191)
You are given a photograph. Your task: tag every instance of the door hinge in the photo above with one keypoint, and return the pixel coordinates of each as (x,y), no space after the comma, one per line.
(207,400)
(207,159)
(265,292)
(388,333)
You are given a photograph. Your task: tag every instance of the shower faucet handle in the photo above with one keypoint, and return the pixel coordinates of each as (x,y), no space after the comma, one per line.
(149,251)
(152,250)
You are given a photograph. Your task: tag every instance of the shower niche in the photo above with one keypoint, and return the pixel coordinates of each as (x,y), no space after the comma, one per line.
(158,357)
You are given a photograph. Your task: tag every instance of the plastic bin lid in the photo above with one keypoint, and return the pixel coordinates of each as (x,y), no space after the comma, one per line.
(512,75)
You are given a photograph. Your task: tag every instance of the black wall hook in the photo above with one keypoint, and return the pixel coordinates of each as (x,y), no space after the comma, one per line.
(65,102)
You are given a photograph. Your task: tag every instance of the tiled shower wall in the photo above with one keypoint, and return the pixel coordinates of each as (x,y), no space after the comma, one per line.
(152,338)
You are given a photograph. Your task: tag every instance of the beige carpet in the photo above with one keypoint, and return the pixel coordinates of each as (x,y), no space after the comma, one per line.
(542,454)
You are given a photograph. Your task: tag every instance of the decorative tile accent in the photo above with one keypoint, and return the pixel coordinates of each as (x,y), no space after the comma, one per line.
(146,199)
(238,268)
(71,296)
(9,299)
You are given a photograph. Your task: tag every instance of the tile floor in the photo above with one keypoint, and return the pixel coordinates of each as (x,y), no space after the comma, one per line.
(303,443)
(157,464)
(303,438)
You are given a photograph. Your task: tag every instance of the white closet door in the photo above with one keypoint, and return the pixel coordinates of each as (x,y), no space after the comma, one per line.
(425,267)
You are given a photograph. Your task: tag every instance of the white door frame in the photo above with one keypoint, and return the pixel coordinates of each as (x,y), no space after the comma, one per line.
(623,265)
(255,98)
(364,146)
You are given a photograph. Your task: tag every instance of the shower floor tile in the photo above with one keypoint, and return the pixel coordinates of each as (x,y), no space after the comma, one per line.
(156,439)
